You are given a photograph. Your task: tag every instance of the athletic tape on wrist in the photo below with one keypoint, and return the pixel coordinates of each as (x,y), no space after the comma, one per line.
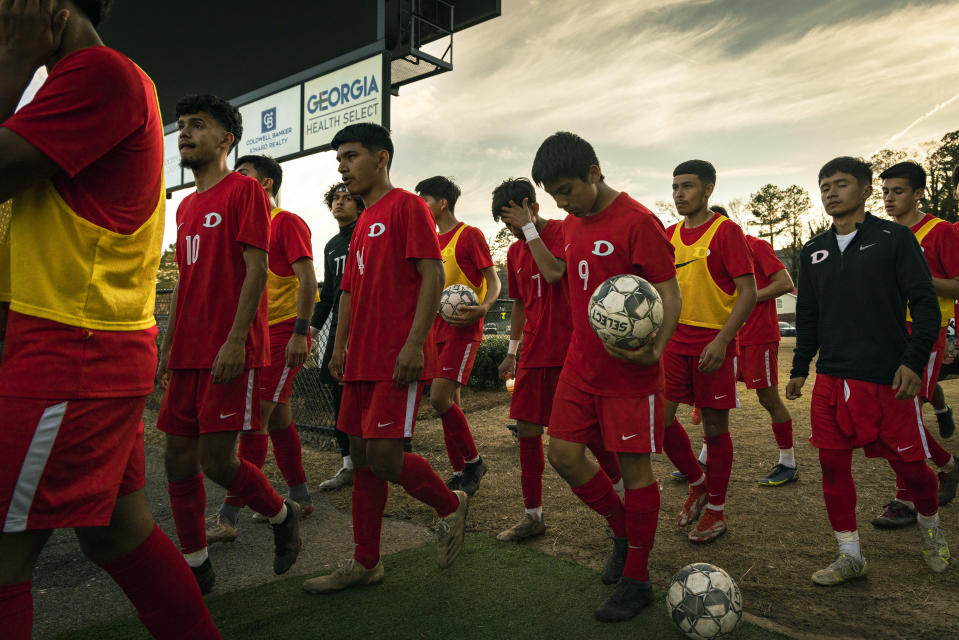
(529,230)
(512,347)
(301,326)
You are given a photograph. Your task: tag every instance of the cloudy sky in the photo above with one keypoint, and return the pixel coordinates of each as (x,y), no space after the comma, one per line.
(766,90)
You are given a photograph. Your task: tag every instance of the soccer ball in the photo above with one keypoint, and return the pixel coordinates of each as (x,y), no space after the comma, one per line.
(453,298)
(704,602)
(624,311)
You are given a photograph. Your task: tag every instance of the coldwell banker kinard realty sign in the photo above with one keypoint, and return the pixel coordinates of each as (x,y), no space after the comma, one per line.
(347,96)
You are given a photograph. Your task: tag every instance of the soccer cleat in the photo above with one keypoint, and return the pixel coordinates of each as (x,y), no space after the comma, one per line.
(947,484)
(781,474)
(697,417)
(455,482)
(306,508)
(711,526)
(629,598)
(343,478)
(205,577)
(946,426)
(349,573)
(678,475)
(693,506)
(529,527)
(613,569)
(286,539)
(844,569)
(220,529)
(450,532)
(935,551)
(895,515)
(472,475)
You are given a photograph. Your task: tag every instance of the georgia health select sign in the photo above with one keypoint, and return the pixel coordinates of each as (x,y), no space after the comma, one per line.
(350,95)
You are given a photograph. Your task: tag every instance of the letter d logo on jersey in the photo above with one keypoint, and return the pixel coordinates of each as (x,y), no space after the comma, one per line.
(602,248)
(211,220)
(377,229)
(818,256)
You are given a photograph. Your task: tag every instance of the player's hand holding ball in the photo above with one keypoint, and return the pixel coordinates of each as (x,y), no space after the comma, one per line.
(230,360)
(794,388)
(409,365)
(646,355)
(466,315)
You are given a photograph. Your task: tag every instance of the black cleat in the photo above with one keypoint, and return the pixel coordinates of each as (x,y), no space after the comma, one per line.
(629,598)
(205,577)
(472,475)
(946,426)
(781,474)
(947,484)
(286,539)
(613,569)
(895,516)
(455,482)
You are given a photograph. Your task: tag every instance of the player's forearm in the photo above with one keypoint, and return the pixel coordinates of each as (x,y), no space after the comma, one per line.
(745,302)
(342,323)
(549,265)
(672,306)
(493,287)
(781,283)
(517,320)
(306,293)
(428,300)
(251,292)
(946,287)
(167,341)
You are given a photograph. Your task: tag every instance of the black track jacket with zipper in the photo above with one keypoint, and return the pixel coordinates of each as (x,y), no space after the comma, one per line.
(851,305)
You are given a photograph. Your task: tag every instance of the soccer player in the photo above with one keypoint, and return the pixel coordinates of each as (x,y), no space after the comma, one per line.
(466,261)
(218,339)
(390,293)
(903,186)
(291,292)
(604,392)
(83,163)
(345,208)
(865,396)
(714,268)
(541,317)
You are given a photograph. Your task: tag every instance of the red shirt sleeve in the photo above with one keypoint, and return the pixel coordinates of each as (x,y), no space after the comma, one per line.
(295,238)
(421,239)
(735,256)
(511,284)
(86,89)
(767,263)
(947,248)
(651,250)
(252,211)
(472,248)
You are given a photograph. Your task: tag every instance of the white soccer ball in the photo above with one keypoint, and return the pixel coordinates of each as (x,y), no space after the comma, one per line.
(453,298)
(625,311)
(704,602)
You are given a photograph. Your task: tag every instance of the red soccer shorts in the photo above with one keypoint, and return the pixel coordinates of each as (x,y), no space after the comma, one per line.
(193,405)
(632,424)
(848,414)
(533,394)
(758,365)
(276,380)
(372,410)
(930,375)
(456,359)
(686,384)
(63,464)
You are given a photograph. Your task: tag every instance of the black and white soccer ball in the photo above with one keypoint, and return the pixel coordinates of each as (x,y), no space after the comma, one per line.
(625,311)
(453,298)
(704,602)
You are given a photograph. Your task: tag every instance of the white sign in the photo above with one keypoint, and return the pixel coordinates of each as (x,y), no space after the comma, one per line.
(271,126)
(350,95)
(172,173)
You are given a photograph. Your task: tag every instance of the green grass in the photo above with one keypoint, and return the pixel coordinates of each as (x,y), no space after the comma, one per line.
(495,591)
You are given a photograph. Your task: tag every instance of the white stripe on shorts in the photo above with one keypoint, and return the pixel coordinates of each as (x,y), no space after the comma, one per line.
(279,387)
(466,357)
(928,382)
(652,423)
(248,413)
(33,465)
(769,379)
(922,428)
(410,409)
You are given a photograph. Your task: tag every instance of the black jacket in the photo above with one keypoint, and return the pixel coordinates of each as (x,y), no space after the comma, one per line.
(325,312)
(851,306)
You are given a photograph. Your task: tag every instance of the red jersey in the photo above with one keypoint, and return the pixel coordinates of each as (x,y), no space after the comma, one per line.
(625,237)
(96,116)
(384,284)
(730,259)
(213,228)
(289,242)
(546,306)
(762,326)
(472,256)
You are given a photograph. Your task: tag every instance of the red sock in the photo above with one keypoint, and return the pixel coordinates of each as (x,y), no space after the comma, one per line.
(902,492)
(598,495)
(369,502)
(680,452)
(162,588)
(253,448)
(921,482)
(420,481)
(16,610)
(452,420)
(939,456)
(188,502)
(838,488)
(784,434)
(255,490)
(531,464)
(642,516)
(720,466)
(607,460)
(288,454)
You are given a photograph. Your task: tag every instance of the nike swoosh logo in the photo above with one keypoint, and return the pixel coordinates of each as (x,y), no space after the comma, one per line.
(567,246)
(447,368)
(866,246)
(632,436)
(756,379)
(719,397)
(384,424)
(224,416)
(901,449)
(683,264)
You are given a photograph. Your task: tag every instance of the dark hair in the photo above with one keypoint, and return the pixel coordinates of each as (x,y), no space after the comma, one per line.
(563,155)
(440,187)
(331,193)
(955,176)
(222,111)
(720,210)
(95,10)
(911,171)
(856,167)
(512,189)
(266,167)
(703,170)
(373,137)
